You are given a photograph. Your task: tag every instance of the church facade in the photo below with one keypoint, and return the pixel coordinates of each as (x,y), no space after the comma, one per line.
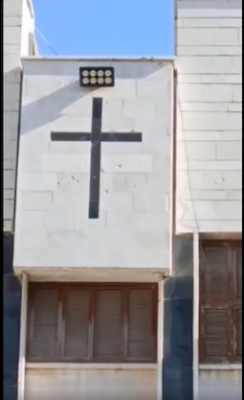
(123,246)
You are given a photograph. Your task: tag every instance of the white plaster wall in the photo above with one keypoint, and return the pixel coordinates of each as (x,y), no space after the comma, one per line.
(220,385)
(52,225)
(111,383)
(209,113)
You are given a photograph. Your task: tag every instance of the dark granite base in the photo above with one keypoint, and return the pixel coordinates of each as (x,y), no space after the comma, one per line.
(177,373)
(11,323)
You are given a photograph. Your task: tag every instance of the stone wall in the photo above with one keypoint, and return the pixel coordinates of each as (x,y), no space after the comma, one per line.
(209,106)
(53,229)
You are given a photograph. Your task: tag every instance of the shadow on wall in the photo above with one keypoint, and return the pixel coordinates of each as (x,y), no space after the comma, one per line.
(58,100)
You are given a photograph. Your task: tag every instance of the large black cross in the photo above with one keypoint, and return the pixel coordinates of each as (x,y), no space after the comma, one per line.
(96,137)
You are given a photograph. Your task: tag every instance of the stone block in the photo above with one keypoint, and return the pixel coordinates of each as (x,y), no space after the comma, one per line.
(201,150)
(32,221)
(124,88)
(229,151)
(147,198)
(207,195)
(114,106)
(128,182)
(210,78)
(209,50)
(209,23)
(8,194)
(215,9)
(138,220)
(10,64)
(32,162)
(12,8)
(120,148)
(212,136)
(66,123)
(10,121)
(237,93)
(210,65)
(65,163)
(13,74)
(11,91)
(10,105)
(232,179)
(36,200)
(145,88)
(208,37)
(213,165)
(9,179)
(12,35)
(211,180)
(39,140)
(12,21)
(217,210)
(9,164)
(205,93)
(11,49)
(116,201)
(235,107)
(8,209)
(131,164)
(212,121)
(10,149)
(113,123)
(37,181)
(235,194)
(70,147)
(139,107)
(191,107)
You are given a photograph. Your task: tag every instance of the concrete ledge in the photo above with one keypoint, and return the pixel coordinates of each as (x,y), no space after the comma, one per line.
(97,58)
(91,366)
(89,274)
(220,367)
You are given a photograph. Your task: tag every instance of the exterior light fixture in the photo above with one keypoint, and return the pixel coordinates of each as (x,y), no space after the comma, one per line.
(96,77)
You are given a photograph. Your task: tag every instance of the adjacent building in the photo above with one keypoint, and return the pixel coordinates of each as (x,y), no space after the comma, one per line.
(124,207)
(209,185)
(18,41)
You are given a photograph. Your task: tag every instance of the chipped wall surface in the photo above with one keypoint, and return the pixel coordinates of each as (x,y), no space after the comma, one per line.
(91,384)
(52,224)
(209,108)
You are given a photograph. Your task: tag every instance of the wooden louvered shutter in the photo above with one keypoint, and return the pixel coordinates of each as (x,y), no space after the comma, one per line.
(140,325)
(108,327)
(43,325)
(99,323)
(238,326)
(238,275)
(238,303)
(76,309)
(215,313)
